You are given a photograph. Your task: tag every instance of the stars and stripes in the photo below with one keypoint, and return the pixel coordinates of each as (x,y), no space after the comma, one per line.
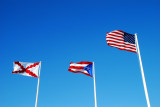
(25,68)
(121,40)
(84,67)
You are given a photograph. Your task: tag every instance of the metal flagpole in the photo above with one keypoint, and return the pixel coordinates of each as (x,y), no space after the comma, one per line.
(95,97)
(38,86)
(142,72)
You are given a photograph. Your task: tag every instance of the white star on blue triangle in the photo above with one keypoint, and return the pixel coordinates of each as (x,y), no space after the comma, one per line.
(88,68)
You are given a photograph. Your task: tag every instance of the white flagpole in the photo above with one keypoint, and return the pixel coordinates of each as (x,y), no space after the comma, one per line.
(95,97)
(142,72)
(38,86)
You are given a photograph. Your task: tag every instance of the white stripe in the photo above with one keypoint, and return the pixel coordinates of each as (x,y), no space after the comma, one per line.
(81,65)
(123,48)
(115,34)
(117,31)
(119,41)
(114,40)
(126,48)
(115,37)
(130,44)
(126,45)
(82,70)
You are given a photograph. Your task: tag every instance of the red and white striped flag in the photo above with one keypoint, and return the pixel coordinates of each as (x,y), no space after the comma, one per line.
(121,40)
(25,68)
(84,67)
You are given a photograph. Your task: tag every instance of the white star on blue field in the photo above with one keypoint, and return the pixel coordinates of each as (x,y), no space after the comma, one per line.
(57,32)
(88,68)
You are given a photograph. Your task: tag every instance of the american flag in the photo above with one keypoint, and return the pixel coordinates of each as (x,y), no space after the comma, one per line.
(121,40)
(84,67)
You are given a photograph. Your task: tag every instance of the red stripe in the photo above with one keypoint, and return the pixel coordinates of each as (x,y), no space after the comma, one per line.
(126,49)
(121,46)
(116,32)
(76,67)
(119,31)
(121,43)
(115,39)
(124,45)
(115,35)
(133,46)
(82,62)
(79,72)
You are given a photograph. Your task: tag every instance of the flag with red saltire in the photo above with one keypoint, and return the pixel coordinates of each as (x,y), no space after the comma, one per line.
(84,67)
(26,69)
(121,40)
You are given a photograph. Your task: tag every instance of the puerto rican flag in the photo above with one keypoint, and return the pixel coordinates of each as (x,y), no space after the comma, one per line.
(84,67)
(26,69)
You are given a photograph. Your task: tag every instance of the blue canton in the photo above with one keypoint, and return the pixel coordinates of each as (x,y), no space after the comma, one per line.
(88,68)
(129,38)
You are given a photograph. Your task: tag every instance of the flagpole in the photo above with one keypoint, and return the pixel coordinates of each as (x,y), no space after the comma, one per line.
(38,86)
(95,97)
(142,72)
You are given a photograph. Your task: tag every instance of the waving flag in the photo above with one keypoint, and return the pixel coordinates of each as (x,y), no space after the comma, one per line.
(84,67)
(27,69)
(121,40)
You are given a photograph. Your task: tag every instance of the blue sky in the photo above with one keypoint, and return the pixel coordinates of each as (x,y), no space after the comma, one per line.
(58,32)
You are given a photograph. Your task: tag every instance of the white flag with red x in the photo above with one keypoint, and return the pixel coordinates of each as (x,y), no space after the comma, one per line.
(25,68)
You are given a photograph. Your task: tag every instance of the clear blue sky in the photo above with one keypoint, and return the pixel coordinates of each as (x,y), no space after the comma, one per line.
(58,32)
